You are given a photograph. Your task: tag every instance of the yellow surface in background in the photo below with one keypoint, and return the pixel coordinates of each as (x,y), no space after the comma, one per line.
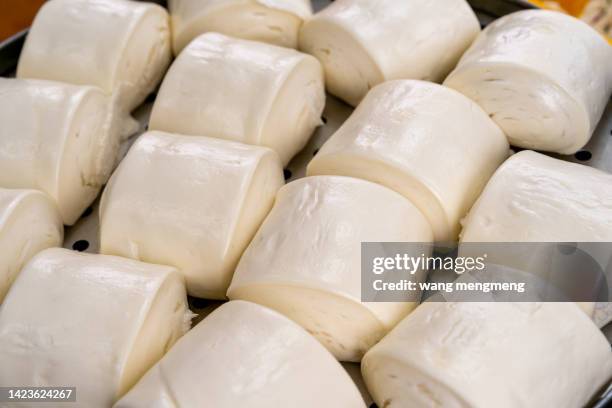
(572,7)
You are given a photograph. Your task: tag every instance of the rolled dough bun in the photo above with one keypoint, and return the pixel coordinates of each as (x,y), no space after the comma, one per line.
(29,223)
(93,322)
(305,259)
(245,355)
(272,21)
(123,47)
(244,91)
(362,43)
(481,355)
(56,138)
(544,77)
(425,141)
(190,202)
(536,198)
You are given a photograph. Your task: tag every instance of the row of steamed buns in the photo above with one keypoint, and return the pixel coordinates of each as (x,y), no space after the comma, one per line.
(417,156)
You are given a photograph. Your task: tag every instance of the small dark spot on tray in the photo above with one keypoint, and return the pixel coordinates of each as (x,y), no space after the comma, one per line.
(80,245)
(583,155)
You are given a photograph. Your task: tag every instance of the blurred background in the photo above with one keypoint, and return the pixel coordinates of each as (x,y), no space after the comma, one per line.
(16,15)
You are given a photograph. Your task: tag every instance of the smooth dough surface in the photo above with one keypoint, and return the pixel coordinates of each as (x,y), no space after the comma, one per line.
(544,77)
(305,260)
(121,46)
(245,355)
(272,21)
(190,202)
(362,43)
(244,91)
(56,138)
(93,322)
(29,223)
(536,198)
(482,355)
(427,142)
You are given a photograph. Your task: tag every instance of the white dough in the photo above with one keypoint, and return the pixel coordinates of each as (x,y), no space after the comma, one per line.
(245,355)
(273,21)
(482,355)
(305,259)
(121,46)
(244,91)
(544,77)
(93,322)
(536,198)
(362,43)
(29,223)
(56,138)
(190,202)
(427,142)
